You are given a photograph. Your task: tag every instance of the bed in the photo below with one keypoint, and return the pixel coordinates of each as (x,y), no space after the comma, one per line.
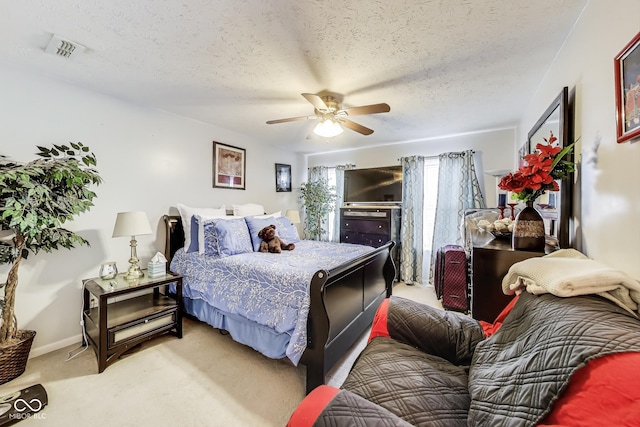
(339,307)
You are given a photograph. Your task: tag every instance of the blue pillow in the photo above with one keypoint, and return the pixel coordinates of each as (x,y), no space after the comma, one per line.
(193,230)
(224,237)
(210,241)
(255,225)
(233,236)
(286,231)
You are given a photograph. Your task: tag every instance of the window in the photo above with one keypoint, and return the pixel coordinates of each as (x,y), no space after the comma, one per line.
(430,200)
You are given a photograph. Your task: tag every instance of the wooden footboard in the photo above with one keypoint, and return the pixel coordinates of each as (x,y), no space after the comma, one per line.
(343,302)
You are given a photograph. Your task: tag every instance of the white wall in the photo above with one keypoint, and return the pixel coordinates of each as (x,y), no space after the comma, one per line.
(494,151)
(150,160)
(609,175)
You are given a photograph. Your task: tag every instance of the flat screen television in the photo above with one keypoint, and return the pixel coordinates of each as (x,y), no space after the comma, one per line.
(373,185)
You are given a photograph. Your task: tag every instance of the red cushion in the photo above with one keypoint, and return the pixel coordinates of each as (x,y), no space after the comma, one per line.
(491,328)
(605,392)
(379,326)
(312,406)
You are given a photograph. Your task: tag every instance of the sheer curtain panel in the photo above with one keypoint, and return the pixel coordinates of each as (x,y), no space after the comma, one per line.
(458,190)
(412,218)
(335,235)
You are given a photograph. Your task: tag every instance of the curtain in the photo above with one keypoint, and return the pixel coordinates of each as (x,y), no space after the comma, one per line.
(411,223)
(335,235)
(458,190)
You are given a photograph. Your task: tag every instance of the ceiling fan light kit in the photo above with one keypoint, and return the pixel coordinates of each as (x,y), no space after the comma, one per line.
(332,117)
(328,128)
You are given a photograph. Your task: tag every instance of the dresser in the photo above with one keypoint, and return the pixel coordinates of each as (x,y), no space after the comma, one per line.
(372,226)
(490,262)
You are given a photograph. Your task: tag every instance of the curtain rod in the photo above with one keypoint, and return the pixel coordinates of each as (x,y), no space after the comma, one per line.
(438,156)
(424,157)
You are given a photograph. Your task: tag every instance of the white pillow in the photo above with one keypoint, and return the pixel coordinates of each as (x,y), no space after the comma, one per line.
(248,209)
(277,214)
(187,212)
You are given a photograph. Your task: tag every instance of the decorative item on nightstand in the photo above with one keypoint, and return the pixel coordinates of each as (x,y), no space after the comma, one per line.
(528,230)
(132,224)
(108,270)
(157,266)
(540,173)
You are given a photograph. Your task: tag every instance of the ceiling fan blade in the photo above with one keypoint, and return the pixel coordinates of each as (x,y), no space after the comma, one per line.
(316,101)
(367,109)
(355,126)
(290,119)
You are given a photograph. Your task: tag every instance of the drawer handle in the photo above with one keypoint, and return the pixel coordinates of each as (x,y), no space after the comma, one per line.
(379,226)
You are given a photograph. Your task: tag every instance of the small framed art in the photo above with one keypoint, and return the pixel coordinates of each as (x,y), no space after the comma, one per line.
(283,177)
(229,166)
(627,75)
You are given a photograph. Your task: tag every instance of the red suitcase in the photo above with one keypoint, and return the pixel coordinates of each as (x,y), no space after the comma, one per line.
(451,278)
(437,273)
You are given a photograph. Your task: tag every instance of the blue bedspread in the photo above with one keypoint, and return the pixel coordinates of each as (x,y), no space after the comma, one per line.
(269,289)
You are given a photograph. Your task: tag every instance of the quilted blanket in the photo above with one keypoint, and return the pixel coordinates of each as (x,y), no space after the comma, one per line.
(421,374)
(517,373)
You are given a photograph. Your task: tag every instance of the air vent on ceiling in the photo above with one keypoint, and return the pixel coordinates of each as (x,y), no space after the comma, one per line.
(65,48)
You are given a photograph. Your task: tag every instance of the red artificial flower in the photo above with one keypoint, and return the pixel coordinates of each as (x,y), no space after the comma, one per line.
(513,182)
(548,150)
(538,175)
(552,138)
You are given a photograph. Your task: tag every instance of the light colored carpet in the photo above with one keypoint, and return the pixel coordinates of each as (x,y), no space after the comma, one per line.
(204,379)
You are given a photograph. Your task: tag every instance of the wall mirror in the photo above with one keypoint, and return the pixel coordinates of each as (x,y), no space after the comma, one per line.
(555,206)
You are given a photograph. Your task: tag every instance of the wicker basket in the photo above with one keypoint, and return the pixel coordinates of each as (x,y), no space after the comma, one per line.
(13,359)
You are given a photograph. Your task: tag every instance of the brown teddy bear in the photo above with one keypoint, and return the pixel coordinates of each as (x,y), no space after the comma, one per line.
(271,242)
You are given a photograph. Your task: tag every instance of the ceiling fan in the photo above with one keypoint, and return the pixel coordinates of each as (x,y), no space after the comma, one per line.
(331,117)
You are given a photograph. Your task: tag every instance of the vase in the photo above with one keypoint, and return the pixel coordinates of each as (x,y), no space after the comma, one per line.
(108,270)
(528,230)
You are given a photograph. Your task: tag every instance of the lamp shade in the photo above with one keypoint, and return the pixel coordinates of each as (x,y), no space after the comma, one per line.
(131,224)
(328,128)
(293,215)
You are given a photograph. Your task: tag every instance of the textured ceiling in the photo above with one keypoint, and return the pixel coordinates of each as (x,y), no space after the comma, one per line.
(444,66)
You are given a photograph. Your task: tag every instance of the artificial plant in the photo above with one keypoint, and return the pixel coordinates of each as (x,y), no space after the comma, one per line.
(318,200)
(36,199)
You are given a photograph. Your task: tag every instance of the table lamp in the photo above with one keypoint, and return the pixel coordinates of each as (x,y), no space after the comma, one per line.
(293,215)
(132,224)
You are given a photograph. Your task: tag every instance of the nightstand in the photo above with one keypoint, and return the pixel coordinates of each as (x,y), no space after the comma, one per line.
(490,262)
(120,314)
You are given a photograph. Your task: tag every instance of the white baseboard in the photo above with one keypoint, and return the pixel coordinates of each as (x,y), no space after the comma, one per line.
(39,351)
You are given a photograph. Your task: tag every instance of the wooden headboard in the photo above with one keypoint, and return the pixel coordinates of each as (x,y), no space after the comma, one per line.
(174,236)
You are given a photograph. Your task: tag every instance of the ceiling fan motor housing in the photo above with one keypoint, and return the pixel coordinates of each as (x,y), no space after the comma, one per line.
(332,104)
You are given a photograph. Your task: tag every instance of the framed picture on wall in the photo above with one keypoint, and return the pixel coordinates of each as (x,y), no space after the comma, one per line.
(229,166)
(283,177)
(627,75)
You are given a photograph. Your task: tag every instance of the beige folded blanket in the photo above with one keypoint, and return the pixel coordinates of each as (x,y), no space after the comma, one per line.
(566,273)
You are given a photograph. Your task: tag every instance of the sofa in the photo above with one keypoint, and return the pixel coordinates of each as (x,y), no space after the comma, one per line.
(546,360)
